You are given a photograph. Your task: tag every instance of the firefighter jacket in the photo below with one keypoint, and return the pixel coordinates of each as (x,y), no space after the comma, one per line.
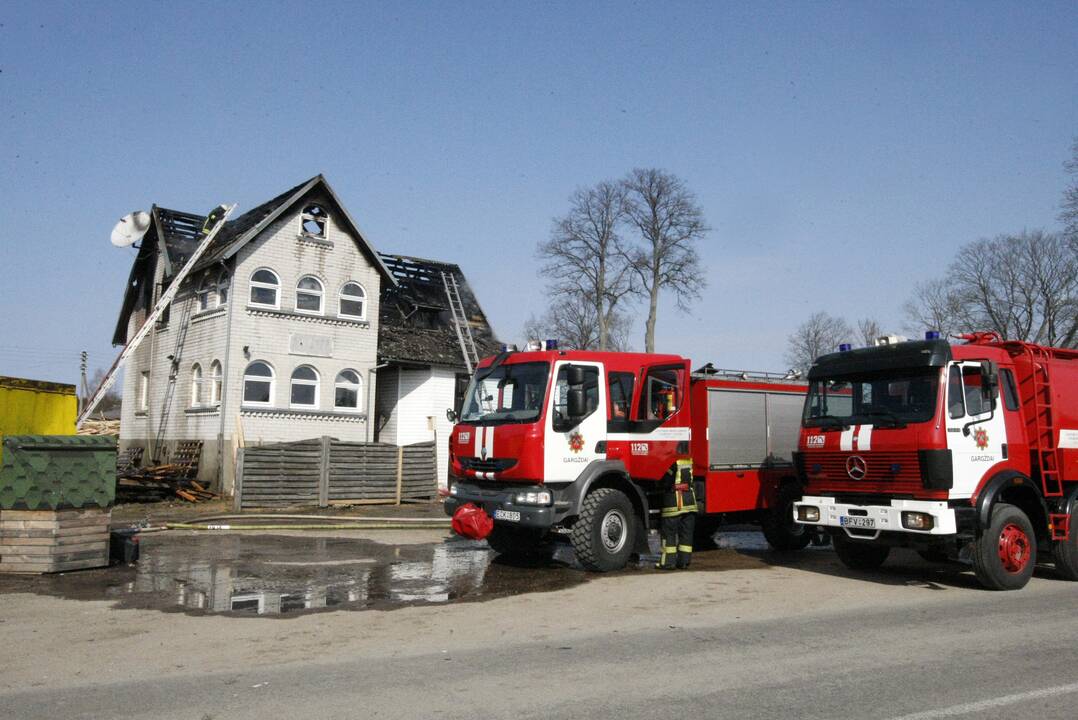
(679,495)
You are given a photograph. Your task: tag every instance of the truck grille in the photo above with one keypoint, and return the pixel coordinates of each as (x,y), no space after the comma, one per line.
(488,465)
(891,472)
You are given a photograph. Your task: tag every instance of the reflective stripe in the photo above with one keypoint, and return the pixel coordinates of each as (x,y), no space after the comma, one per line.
(684,548)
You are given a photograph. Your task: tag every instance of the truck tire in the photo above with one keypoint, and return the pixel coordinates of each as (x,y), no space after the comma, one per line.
(1006,553)
(1065,552)
(780,530)
(603,535)
(518,543)
(859,554)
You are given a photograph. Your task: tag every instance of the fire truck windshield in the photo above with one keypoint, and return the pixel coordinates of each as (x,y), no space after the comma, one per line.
(506,394)
(884,398)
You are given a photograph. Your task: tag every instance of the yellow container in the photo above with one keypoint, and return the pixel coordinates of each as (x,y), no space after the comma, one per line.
(35,407)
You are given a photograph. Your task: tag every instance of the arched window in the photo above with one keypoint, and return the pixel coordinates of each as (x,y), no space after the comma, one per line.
(196,385)
(353,301)
(347,389)
(215,383)
(264,288)
(222,288)
(304,387)
(205,295)
(258,384)
(309,295)
(313,222)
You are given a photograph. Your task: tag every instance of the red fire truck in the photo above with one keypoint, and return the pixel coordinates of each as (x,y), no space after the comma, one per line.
(576,444)
(963,451)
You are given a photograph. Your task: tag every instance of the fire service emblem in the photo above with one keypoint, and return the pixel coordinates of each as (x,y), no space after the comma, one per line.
(980,436)
(576,442)
(856,467)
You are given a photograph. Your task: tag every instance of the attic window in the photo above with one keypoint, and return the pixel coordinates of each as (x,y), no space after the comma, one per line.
(313,222)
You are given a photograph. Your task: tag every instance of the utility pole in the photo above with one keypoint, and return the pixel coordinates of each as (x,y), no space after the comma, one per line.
(85,386)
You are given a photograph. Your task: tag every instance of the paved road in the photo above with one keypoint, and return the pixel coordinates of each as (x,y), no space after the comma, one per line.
(776,642)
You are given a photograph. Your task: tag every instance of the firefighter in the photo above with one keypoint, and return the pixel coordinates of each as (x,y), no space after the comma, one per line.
(678,517)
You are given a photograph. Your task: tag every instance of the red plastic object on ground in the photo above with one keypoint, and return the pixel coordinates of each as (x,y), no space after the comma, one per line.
(471,521)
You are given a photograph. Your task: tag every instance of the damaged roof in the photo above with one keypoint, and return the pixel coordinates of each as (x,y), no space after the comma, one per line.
(175,235)
(415,322)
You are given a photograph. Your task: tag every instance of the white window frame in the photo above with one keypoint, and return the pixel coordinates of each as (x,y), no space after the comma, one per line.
(342,296)
(216,380)
(223,283)
(144,391)
(259,284)
(337,382)
(321,293)
(205,294)
(321,220)
(293,381)
(196,385)
(272,380)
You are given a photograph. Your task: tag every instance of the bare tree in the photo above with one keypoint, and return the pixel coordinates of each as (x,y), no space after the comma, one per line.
(1069,214)
(868,330)
(571,320)
(585,256)
(1024,287)
(935,305)
(819,335)
(670,223)
(112,399)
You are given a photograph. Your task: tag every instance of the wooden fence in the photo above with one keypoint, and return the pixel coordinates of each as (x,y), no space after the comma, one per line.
(324,471)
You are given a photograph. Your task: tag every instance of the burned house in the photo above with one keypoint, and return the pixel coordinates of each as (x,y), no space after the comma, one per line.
(431,332)
(272,337)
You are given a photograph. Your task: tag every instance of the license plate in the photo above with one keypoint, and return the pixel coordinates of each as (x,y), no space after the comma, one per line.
(857,522)
(510,515)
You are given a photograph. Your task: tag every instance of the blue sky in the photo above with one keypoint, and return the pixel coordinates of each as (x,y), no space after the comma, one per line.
(841,152)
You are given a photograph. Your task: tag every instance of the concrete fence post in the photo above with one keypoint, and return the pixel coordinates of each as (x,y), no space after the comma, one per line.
(237,487)
(400,472)
(323,477)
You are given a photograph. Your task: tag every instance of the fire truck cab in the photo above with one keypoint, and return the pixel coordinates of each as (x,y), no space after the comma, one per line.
(965,451)
(576,444)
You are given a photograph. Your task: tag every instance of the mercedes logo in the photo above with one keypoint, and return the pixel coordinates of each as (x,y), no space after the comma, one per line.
(856,467)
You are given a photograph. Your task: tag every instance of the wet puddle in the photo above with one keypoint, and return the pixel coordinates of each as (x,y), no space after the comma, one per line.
(285,575)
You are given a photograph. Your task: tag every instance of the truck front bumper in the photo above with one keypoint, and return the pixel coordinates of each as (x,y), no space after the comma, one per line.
(853,518)
(501,504)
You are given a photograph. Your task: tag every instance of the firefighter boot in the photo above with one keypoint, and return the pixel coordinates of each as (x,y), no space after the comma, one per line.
(686,526)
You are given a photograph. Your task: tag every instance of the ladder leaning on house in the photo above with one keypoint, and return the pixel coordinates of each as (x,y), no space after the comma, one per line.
(173,371)
(219,216)
(460,322)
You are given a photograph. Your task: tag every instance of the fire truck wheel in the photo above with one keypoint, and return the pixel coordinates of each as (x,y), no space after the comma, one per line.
(604,534)
(1006,553)
(780,529)
(1065,552)
(517,543)
(858,554)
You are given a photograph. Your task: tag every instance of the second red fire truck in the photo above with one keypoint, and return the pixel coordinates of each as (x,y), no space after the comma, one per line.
(576,444)
(963,451)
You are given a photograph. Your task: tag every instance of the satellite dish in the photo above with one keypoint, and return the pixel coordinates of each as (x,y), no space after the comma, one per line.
(131,228)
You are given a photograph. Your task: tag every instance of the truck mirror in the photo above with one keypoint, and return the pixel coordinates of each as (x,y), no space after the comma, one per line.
(451,415)
(989,382)
(574,375)
(576,405)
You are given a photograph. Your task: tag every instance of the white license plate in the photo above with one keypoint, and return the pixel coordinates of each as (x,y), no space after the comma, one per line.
(857,522)
(510,515)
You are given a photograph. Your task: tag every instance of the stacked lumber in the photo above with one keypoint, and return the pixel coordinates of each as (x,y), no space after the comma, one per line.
(100,427)
(45,541)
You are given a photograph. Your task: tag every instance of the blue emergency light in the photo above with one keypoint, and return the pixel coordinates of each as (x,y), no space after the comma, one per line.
(551,344)
(844,347)
(932,335)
